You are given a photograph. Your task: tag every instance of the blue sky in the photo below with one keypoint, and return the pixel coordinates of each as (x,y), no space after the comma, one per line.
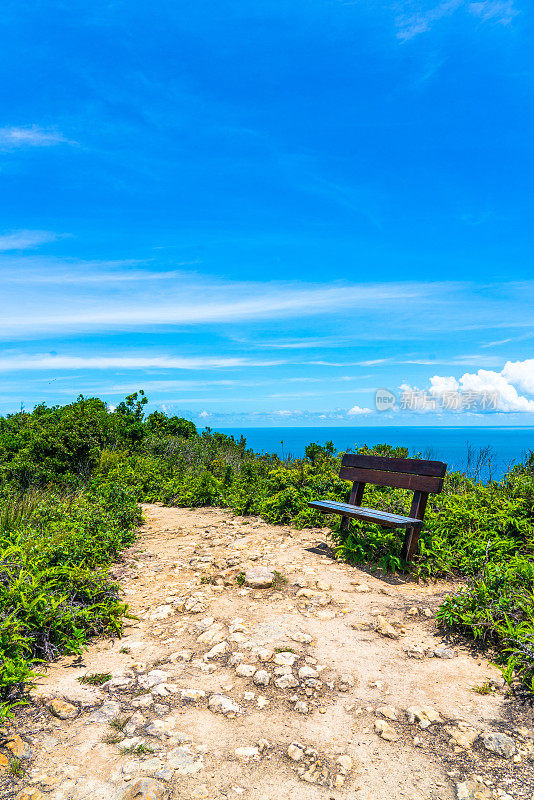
(262,212)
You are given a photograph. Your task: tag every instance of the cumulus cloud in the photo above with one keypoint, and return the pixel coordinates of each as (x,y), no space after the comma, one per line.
(358,411)
(510,390)
(521,374)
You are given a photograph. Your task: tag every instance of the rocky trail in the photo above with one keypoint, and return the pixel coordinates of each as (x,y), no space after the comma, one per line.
(257,667)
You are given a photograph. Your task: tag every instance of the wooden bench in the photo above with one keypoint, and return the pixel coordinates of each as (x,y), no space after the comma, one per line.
(423,477)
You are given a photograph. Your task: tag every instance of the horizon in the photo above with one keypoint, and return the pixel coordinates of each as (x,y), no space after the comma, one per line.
(263,215)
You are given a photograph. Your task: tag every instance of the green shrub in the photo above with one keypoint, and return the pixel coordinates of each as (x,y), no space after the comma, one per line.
(54,589)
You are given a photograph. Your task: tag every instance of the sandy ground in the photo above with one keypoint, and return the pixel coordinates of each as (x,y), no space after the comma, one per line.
(353,685)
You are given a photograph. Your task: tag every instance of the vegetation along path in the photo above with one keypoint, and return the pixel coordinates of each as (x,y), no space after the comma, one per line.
(258,667)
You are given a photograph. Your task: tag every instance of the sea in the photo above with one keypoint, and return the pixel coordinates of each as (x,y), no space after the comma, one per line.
(484,453)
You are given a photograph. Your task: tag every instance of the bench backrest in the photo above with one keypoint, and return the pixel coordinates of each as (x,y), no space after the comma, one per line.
(401,473)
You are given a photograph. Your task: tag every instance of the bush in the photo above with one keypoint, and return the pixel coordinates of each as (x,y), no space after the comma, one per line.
(54,589)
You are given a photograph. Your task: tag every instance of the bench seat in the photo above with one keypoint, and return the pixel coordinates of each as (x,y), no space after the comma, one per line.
(368,514)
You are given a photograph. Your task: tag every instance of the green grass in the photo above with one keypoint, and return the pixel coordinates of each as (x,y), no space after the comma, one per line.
(16,768)
(482,688)
(55,593)
(95,678)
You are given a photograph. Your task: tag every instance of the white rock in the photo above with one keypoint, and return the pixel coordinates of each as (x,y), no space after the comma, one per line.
(389,712)
(160,728)
(245,670)
(299,636)
(384,627)
(262,678)
(118,682)
(213,635)
(192,695)
(181,656)
(345,764)
(133,742)
(264,653)
(285,659)
(307,672)
(247,753)
(218,650)
(385,730)
(162,612)
(259,578)
(144,701)
(183,761)
(221,704)
(295,751)
(462,735)
(204,624)
(107,712)
(153,678)
(424,715)
(237,626)
(443,652)
(286,682)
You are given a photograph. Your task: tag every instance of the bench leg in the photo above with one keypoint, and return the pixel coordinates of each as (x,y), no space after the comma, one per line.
(411,540)
(344,527)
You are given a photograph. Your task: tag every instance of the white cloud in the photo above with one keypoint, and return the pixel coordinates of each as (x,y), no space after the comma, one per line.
(185,303)
(497,391)
(203,414)
(488,381)
(32,136)
(439,384)
(52,362)
(426,16)
(43,298)
(358,411)
(25,240)
(500,11)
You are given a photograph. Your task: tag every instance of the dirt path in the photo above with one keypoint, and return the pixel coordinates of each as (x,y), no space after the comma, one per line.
(330,684)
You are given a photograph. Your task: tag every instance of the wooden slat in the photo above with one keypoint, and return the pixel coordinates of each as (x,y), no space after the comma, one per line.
(369,514)
(413,466)
(398,480)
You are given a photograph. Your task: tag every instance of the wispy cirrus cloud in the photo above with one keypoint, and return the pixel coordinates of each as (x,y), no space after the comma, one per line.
(15,363)
(500,11)
(26,240)
(46,298)
(188,300)
(422,16)
(12,137)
